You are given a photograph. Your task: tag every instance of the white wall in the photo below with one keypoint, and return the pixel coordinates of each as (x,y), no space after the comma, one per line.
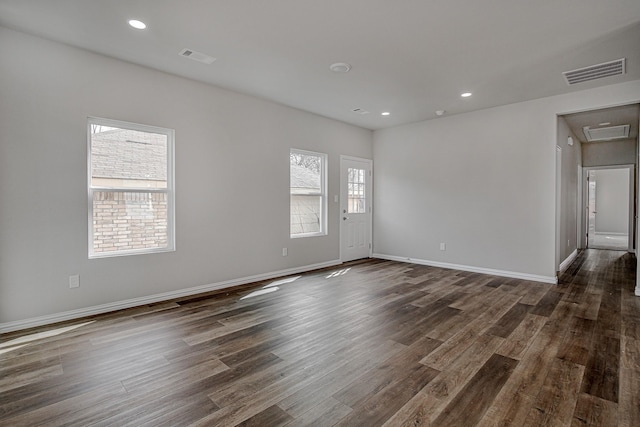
(482,182)
(571,159)
(612,201)
(607,153)
(232,178)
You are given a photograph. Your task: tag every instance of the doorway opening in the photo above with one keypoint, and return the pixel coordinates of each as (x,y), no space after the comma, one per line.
(609,207)
(591,143)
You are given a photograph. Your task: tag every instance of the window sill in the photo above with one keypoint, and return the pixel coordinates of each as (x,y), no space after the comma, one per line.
(299,236)
(130,253)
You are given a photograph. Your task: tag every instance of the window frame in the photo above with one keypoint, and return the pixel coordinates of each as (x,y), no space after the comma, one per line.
(324,166)
(169,190)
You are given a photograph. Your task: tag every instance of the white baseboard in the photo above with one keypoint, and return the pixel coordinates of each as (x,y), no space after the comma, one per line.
(567,262)
(120,305)
(503,273)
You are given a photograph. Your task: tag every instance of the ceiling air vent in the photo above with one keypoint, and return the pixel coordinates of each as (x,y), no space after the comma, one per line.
(594,72)
(197,56)
(360,111)
(606,134)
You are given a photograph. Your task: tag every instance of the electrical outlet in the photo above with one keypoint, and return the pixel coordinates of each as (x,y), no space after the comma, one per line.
(443,246)
(285,252)
(74,281)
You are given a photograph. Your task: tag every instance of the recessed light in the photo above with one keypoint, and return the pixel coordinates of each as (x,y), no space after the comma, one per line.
(604,124)
(138,25)
(386,113)
(340,67)
(465,95)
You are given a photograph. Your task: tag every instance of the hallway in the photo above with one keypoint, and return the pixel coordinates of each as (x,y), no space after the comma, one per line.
(619,242)
(605,330)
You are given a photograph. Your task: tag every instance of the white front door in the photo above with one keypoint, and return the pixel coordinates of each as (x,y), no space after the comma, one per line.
(355,208)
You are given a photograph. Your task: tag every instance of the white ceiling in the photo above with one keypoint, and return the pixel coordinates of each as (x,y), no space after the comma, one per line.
(409,57)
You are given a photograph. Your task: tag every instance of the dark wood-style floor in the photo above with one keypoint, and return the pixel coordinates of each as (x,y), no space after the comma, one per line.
(370,343)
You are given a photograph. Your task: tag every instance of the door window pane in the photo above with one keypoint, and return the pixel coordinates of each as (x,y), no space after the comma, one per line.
(356,200)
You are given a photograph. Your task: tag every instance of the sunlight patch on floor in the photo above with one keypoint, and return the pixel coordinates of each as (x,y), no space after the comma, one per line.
(338,273)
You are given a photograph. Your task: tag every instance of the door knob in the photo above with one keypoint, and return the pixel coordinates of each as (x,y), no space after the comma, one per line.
(345,218)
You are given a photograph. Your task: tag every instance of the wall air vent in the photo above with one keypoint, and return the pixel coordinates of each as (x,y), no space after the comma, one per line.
(594,72)
(606,134)
(197,56)
(360,111)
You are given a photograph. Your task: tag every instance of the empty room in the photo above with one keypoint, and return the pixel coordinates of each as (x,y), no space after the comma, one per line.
(295,213)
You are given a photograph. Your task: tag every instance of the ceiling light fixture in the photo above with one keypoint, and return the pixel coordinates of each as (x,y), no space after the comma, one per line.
(465,95)
(604,124)
(340,67)
(440,112)
(386,113)
(138,25)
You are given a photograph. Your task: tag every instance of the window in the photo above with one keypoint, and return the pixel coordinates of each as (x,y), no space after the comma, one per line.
(131,198)
(356,191)
(308,193)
